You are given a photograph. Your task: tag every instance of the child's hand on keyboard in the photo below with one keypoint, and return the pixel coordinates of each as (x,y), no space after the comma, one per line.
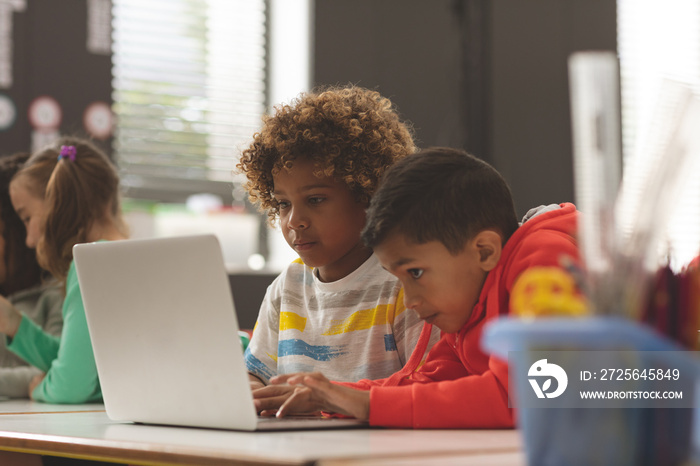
(268,399)
(315,392)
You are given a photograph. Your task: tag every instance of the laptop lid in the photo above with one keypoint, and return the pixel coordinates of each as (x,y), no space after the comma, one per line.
(164,332)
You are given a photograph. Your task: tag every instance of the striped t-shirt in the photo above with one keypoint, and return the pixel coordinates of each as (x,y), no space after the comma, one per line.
(351,329)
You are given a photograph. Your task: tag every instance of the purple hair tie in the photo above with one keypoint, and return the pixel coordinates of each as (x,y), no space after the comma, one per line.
(67,152)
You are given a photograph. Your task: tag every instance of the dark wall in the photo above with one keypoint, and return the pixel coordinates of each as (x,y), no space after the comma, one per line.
(248,292)
(530,124)
(50,57)
(407,49)
(487,76)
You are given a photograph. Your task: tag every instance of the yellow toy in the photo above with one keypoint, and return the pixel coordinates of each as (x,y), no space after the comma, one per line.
(547,291)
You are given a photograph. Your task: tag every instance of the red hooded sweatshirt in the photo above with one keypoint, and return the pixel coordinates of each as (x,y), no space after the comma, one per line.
(459,386)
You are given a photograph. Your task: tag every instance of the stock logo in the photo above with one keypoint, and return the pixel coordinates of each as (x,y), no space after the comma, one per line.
(543,370)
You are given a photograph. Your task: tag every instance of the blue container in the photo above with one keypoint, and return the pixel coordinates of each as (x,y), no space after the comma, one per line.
(595,436)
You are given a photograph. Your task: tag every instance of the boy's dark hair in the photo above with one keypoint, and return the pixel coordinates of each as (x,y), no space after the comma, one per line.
(22,269)
(440,194)
(351,133)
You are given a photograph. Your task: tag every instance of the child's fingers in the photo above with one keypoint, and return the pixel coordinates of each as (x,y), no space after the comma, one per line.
(268,413)
(256,385)
(321,388)
(272,391)
(318,383)
(269,403)
(292,405)
(302,398)
(281,379)
(272,399)
(343,400)
(295,378)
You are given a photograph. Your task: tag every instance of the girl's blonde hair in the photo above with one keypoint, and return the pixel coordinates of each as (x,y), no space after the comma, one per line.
(79,192)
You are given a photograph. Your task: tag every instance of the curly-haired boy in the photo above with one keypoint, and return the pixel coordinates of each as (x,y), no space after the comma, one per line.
(313,167)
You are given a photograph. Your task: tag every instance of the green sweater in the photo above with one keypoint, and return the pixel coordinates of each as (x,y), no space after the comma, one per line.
(43,305)
(71,375)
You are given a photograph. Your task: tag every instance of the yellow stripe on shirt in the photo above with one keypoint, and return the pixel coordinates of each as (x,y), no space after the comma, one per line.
(292,321)
(362,320)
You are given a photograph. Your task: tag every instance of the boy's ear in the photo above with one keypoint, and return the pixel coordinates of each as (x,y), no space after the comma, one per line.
(489,247)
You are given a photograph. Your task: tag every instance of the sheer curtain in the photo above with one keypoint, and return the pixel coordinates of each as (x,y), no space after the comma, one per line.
(657,40)
(190,81)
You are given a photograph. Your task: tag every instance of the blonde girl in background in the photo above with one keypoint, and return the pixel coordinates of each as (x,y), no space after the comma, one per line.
(65,194)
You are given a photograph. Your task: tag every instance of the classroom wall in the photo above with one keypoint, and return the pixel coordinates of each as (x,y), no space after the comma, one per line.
(530,124)
(248,290)
(488,76)
(54,50)
(409,50)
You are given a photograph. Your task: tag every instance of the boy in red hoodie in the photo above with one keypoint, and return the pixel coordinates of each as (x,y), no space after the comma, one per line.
(443,222)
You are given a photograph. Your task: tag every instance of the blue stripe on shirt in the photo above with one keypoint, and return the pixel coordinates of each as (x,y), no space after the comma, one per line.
(301,348)
(256,366)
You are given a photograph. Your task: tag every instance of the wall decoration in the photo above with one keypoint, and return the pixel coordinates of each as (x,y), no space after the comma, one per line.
(38,40)
(45,113)
(45,116)
(99,27)
(8,112)
(43,138)
(98,120)
(7,8)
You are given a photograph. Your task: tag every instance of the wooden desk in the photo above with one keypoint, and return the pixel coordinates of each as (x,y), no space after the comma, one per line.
(20,406)
(87,433)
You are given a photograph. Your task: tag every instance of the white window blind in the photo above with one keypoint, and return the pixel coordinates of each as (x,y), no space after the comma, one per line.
(659,39)
(189,92)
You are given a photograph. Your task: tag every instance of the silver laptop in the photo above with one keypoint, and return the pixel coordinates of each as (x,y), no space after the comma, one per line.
(165,335)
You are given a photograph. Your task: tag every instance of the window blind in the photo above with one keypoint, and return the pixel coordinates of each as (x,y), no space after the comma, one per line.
(657,40)
(189,92)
